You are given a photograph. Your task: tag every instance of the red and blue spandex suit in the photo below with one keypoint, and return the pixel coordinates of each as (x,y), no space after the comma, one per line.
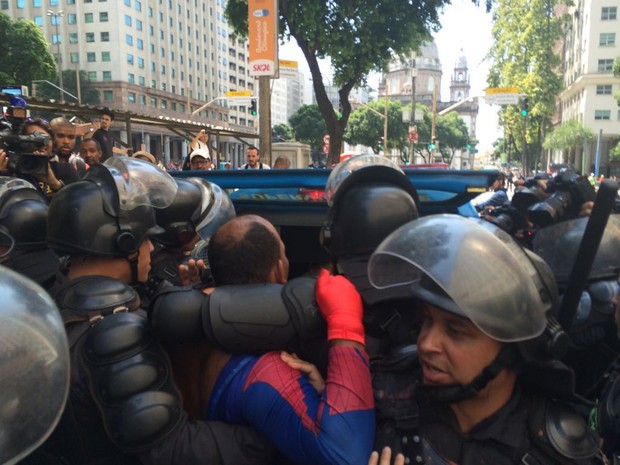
(334,428)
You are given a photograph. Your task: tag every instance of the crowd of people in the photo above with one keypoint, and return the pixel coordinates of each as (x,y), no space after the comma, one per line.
(430,340)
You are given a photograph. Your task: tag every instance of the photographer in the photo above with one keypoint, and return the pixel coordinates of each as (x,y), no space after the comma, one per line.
(45,178)
(499,197)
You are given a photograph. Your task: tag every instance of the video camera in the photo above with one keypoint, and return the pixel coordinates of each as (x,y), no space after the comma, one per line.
(19,150)
(569,190)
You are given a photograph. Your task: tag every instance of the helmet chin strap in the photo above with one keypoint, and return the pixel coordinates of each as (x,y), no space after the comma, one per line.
(452,393)
(133,264)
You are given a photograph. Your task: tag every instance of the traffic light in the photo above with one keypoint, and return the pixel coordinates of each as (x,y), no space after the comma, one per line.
(468,146)
(381,143)
(434,145)
(253,107)
(339,113)
(525,107)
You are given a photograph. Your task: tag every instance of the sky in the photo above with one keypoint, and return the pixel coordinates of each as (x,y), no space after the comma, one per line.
(464,26)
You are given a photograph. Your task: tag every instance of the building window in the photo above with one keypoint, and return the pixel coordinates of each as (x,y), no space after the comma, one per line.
(91,57)
(75,57)
(602,115)
(88,17)
(153,102)
(105,37)
(140,63)
(131,96)
(70,2)
(71,18)
(73,38)
(130,58)
(607,39)
(55,20)
(618,115)
(181,107)
(92,75)
(21,4)
(142,99)
(603,90)
(127,20)
(164,105)
(107,75)
(605,65)
(129,39)
(103,17)
(131,78)
(608,13)
(90,37)
(141,81)
(138,6)
(162,69)
(138,25)
(88,1)
(38,20)
(36,3)
(105,56)
(127,3)
(108,95)
(140,44)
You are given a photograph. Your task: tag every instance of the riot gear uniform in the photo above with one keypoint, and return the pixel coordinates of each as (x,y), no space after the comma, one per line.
(23,218)
(123,405)
(475,270)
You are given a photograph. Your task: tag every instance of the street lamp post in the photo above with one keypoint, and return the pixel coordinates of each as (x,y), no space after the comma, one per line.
(414,73)
(56,15)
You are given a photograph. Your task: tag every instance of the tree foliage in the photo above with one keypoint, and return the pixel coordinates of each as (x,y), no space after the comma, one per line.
(358,36)
(523,55)
(282,133)
(453,135)
(309,126)
(25,56)
(567,138)
(366,126)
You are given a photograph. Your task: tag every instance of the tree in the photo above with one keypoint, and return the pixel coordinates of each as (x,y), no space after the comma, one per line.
(282,133)
(25,56)
(309,126)
(523,55)
(366,126)
(358,36)
(614,154)
(452,134)
(87,95)
(568,138)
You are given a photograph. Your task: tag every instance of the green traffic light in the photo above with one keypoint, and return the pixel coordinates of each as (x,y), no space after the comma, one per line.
(524,113)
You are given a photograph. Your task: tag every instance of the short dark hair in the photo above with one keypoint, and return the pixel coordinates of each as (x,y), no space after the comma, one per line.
(97,144)
(243,260)
(253,147)
(107,111)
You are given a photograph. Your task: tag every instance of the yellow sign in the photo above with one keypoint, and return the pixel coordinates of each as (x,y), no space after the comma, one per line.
(502,90)
(238,93)
(288,64)
(263,37)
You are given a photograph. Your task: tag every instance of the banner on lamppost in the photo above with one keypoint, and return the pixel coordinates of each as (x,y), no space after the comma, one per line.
(263,37)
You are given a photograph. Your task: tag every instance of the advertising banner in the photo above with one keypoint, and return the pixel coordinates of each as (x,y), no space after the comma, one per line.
(263,37)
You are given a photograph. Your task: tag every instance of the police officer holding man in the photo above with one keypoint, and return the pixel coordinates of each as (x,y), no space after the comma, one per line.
(103,223)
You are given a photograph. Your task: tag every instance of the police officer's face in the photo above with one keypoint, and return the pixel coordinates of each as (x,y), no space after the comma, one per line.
(452,349)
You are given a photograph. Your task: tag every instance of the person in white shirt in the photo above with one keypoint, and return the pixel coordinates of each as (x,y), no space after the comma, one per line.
(253,158)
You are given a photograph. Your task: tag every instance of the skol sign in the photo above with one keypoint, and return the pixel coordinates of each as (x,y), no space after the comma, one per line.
(263,37)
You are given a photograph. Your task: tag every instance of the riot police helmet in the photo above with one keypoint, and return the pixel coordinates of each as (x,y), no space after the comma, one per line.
(111,210)
(198,207)
(34,366)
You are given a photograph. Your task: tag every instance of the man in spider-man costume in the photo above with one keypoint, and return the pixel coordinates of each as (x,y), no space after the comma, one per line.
(283,397)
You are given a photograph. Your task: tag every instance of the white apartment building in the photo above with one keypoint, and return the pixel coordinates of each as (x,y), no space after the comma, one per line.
(287,96)
(162,57)
(591,43)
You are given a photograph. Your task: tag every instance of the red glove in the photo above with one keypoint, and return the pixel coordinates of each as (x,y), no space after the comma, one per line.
(341,307)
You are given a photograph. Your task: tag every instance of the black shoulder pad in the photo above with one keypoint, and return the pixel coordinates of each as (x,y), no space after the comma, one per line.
(567,432)
(95,296)
(248,318)
(176,314)
(130,378)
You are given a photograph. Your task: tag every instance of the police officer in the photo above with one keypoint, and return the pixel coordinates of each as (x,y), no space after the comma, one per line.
(23,225)
(489,383)
(125,408)
(34,366)
(198,209)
